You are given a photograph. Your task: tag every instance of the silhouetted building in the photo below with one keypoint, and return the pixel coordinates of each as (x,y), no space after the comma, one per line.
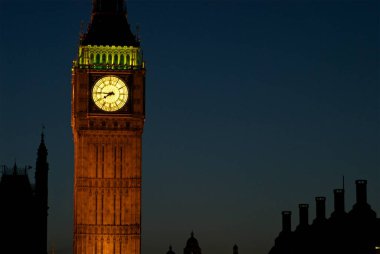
(24,207)
(355,232)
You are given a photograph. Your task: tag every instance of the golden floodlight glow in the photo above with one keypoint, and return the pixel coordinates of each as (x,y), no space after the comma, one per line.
(110,93)
(109,57)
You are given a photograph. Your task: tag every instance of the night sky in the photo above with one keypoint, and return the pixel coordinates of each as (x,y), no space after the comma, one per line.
(252,107)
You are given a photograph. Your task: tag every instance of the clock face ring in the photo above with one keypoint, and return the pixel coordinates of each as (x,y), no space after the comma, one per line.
(110,93)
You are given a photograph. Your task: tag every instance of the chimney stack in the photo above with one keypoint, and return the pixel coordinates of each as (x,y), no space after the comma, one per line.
(361,191)
(320,208)
(304,214)
(339,200)
(286,221)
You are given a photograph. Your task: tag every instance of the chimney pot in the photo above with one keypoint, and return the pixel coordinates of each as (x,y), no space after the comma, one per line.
(304,214)
(320,208)
(339,200)
(361,191)
(286,221)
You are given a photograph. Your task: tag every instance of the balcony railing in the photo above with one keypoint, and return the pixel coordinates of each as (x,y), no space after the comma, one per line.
(109,66)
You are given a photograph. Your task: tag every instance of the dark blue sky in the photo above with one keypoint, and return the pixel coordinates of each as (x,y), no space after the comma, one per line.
(252,108)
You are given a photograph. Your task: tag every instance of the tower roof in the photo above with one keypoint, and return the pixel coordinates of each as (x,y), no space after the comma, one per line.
(192,242)
(109,25)
(42,152)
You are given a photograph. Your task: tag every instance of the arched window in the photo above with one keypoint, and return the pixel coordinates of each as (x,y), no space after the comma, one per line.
(97,58)
(116,60)
(122,59)
(109,59)
(104,58)
(92,59)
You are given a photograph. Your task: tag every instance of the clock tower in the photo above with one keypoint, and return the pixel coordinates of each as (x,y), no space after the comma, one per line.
(108,112)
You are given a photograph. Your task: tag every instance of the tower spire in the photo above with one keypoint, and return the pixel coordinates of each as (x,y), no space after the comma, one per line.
(110,6)
(109,25)
(41,190)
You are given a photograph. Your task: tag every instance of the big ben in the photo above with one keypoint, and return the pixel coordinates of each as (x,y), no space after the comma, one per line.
(108,113)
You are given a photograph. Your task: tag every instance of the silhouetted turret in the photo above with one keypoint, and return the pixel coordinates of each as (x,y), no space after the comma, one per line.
(41,192)
(192,246)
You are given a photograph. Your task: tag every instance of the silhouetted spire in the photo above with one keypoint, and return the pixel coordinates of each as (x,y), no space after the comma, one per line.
(41,190)
(109,25)
(42,151)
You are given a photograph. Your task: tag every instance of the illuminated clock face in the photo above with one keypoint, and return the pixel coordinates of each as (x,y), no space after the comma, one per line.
(110,93)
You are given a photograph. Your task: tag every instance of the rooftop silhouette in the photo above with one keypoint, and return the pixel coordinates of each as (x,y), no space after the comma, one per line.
(24,207)
(354,232)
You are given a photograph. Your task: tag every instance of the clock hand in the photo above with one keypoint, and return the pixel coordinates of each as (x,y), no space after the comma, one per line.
(108,94)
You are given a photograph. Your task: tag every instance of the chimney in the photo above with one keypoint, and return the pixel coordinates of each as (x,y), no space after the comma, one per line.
(361,191)
(320,208)
(304,214)
(339,200)
(286,221)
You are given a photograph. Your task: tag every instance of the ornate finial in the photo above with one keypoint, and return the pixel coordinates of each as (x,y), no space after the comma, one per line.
(170,248)
(192,233)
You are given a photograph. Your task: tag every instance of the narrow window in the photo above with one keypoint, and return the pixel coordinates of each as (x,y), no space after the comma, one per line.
(128,60)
